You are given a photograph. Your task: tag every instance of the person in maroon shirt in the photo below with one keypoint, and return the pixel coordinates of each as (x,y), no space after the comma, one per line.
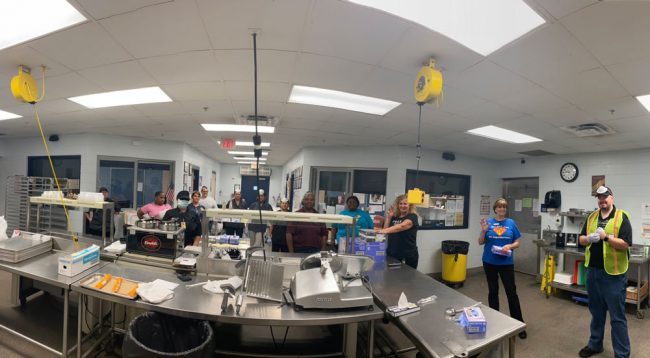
(306,237)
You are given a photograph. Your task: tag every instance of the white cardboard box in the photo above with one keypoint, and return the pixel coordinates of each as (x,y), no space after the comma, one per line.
(77,262)
(563,277)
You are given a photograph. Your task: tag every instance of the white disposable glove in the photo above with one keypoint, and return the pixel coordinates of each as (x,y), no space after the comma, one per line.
(595,237)
(600,231)
(146,217)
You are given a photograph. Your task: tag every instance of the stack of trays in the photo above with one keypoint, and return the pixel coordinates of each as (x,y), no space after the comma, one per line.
(24,246)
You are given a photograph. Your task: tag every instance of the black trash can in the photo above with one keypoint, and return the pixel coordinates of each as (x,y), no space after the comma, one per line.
(454,262)
(153,334)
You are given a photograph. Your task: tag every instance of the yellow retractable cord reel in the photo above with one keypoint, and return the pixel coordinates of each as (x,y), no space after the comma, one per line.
(427,89)
(25,89)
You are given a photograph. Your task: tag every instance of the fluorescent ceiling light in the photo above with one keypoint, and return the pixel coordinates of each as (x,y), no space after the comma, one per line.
(249,158)
(249,163)
(24,20)
(8,115)
(237,128)
(122,98)
(482,26)
(645,101)
(343,100)
(250,144)
(236,152)
(504,135)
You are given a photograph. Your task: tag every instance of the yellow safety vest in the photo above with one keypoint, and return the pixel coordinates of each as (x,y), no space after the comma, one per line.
(614,261)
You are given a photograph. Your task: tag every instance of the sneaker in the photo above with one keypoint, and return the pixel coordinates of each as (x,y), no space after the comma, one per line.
(587,352)
(523,335)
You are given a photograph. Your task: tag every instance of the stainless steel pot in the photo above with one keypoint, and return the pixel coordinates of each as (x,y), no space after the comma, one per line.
(146,224)
(168,225)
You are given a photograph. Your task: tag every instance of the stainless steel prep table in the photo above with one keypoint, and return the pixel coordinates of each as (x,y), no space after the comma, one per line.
(196,303)
(429,327)
(44,268)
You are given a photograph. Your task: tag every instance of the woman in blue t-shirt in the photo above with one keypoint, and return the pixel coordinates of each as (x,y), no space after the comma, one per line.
(500,236)
(364,221)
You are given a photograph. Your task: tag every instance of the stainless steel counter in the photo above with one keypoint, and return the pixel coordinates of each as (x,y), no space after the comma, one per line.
(196,303)
(45,268)
(430,327)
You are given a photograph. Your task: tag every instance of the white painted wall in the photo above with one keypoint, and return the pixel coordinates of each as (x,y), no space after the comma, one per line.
(230,176)
(293,163)
(626,172)
(397,160)
(205,164)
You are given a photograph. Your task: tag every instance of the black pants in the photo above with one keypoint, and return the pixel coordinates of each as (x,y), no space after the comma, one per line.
(279,247)
(411,258)
(507,273)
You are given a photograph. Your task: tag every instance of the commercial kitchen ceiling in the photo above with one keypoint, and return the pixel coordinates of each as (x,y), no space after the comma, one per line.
(585,64)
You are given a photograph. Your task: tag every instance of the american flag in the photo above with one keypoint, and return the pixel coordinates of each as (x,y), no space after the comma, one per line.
(169,195)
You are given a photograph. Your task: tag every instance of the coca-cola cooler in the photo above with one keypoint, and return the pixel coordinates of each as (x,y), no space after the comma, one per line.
(155,242)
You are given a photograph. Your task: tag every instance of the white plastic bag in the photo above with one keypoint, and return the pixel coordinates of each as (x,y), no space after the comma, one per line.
(3,228)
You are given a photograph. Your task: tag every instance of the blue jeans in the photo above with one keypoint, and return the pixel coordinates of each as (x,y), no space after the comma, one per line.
(607,293)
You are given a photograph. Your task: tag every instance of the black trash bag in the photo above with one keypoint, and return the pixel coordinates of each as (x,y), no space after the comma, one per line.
(153,334)
(453,247)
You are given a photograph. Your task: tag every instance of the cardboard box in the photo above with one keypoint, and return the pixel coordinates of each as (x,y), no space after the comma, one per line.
(376,250)
(632,293)
(77,262)
(563,278)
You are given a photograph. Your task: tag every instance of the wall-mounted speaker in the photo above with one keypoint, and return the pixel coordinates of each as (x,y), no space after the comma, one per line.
(448,156)
(54,138)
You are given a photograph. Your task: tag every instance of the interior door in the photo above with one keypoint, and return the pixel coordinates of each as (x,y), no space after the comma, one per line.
(522,195)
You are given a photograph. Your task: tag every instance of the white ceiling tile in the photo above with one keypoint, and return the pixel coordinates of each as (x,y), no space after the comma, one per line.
(488,112)
(119,76)
(195,91)
(634,76)
(266,91)
(564,116)
(613,31)
(388,84)
(532,99)
(58,106)
(490,81)
(591,86)
(207,108)
(100,9)
(307,112)
(547,56)
(630,125)
(281,23)
(194,66)
(11,58)
(69,85)
(83,46)
(419,44)
(456,100)
(346,30)
(155,110)
(163,29)
(329,72)
(623,107)
(272,66)
(561,8)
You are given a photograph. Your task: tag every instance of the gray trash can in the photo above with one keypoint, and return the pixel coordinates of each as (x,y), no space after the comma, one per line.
(153,334)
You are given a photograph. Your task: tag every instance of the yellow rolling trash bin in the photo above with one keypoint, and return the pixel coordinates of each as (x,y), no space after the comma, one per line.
(454,262)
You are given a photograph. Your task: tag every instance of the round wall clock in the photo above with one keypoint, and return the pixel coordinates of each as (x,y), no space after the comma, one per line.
(569,172)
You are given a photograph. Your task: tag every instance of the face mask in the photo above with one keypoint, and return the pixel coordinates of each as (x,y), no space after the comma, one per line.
(182,204)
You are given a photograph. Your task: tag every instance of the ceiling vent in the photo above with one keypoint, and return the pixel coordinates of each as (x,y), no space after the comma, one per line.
(589,130)
(247,170)
(536,153)
(262,120)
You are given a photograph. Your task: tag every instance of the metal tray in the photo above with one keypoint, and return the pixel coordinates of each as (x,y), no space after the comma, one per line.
(127,285)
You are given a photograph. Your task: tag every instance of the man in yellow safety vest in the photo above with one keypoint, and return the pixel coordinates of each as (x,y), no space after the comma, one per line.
(607,235)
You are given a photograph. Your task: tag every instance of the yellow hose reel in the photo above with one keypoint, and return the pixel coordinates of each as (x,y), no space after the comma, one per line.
(428,83)
(23,86)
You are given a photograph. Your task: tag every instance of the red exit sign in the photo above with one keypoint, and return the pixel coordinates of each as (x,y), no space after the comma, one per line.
(227,143)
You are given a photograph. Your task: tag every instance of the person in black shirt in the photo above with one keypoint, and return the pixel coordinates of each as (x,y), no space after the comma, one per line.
(279,231)
(94,216)
(237,202)
(187,219)
(607,235)
(257,232)
(401,225)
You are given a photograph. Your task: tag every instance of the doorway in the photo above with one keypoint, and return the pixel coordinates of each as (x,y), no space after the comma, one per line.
(522,195)
(249,187)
